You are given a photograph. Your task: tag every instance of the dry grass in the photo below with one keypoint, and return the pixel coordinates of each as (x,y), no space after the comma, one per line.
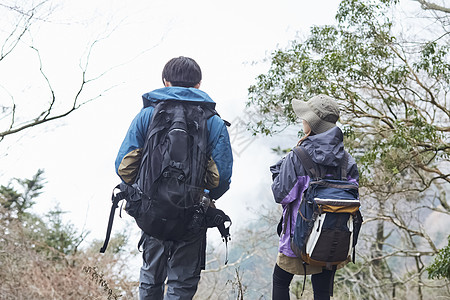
(30,270)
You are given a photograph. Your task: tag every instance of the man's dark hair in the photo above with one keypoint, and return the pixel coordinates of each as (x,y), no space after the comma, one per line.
(182,71)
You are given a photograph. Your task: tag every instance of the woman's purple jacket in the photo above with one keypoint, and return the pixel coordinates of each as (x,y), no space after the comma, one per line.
(291,180)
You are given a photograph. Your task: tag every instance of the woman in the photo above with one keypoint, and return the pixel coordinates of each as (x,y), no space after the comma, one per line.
(323,141)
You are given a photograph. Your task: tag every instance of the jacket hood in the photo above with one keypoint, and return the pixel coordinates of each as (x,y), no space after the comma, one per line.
(326,148)
(177,93)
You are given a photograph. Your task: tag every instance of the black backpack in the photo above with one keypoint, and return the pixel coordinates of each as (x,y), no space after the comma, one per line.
(166,199)
(173,169)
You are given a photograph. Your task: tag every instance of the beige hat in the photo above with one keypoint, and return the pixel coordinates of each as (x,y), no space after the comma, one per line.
(321,112)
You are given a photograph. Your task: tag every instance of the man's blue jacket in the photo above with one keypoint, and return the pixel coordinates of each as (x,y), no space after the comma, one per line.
(219,148)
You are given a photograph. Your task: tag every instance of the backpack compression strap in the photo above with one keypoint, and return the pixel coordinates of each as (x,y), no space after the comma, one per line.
(208,107)
(344,165)
(115,203)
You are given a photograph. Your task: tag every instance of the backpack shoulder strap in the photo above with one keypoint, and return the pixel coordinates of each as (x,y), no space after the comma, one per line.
(209,112)
(307,162)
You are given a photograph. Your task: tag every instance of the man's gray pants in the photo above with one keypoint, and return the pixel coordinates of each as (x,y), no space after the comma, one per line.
(179,261)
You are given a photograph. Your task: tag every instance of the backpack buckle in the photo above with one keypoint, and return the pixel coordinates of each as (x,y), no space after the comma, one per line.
(175,164)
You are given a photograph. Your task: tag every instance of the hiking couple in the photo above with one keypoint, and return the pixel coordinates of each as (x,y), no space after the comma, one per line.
(177,149)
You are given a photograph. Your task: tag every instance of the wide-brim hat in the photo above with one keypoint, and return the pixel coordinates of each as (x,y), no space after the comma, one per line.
(321,112)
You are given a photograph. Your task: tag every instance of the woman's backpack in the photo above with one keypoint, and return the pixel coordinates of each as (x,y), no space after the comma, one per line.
(329,219)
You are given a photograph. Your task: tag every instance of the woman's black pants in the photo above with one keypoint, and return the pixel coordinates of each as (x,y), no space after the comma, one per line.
(322,284)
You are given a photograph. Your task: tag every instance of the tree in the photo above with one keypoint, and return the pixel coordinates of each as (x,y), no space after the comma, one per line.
(17,202)
(49,231)
(392,80)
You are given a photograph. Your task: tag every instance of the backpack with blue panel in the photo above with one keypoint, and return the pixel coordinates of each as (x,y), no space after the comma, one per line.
(329,218)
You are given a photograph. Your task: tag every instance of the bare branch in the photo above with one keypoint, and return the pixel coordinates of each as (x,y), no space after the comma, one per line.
(47,112)
(8,46)
(432,6)
(419,82)
(21,27)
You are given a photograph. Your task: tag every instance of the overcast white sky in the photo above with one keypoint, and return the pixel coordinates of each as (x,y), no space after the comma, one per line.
(78,153)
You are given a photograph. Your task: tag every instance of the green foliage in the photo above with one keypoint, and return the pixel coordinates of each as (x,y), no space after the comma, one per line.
(440,268)
(281,152)
(49,234)
(60,236)
(434,60)
(19,202)
(9,197)
(118,244)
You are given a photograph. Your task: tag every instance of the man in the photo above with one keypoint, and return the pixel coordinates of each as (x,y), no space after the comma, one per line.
(178,261)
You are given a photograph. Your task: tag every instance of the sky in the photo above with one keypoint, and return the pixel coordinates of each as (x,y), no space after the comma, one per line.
(230,40)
